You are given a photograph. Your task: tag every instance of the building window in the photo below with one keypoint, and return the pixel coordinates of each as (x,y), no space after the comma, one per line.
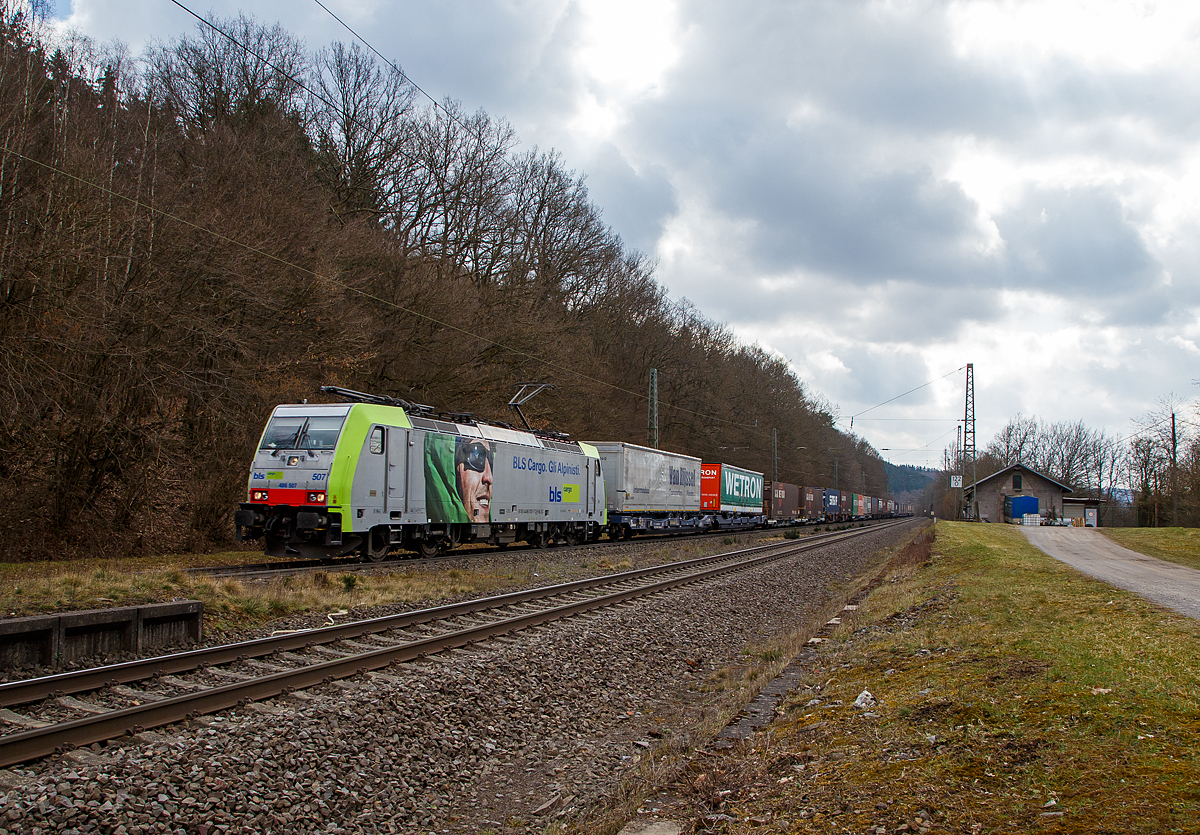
(1016,481)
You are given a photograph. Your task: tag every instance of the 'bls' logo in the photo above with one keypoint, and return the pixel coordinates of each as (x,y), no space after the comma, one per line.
(555,494)
(259,476)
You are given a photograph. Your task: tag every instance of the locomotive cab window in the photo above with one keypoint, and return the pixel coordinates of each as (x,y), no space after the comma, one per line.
(377,441)
(300,432)
(282,433)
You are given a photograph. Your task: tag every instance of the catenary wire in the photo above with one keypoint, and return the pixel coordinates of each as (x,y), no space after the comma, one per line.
(905,394)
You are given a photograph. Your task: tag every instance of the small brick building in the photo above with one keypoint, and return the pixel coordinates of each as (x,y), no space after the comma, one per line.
(986,497)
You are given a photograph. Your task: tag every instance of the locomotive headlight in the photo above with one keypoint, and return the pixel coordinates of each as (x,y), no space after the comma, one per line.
(316,498)
(258,495)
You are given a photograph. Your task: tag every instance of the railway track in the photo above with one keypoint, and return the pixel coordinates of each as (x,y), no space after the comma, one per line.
(50,719)
(283,567)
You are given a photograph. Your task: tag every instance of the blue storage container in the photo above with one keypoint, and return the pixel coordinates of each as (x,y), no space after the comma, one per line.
(1015,507)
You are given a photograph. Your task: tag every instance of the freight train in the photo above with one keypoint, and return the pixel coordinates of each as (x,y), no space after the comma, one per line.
(375,476)
(790,504)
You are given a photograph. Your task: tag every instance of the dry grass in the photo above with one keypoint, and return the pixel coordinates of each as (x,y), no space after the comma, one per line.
(32,588)
(231,602)
(1015,694)
(1177,545)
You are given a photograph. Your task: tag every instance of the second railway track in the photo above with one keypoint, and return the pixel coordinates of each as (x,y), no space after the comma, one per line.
(177,687)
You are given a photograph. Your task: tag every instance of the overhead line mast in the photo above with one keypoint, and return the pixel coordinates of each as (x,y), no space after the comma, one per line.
(968,447)
(652,411)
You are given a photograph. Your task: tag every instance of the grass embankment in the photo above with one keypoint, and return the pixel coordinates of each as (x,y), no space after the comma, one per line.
(1014,694)
(242,603)
(229,602)
(1177,545)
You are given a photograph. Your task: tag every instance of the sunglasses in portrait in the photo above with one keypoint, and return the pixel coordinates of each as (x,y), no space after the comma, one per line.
(474,456)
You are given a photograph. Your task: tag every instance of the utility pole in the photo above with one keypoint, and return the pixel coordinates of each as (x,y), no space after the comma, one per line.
(1174,474)
(774,456)
(958,433)
(968,447)
(652,411)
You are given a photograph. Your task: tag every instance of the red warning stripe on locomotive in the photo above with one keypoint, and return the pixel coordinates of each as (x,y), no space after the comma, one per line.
(288,496)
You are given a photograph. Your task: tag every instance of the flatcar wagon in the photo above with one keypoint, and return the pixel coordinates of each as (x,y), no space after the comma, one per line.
(379,474)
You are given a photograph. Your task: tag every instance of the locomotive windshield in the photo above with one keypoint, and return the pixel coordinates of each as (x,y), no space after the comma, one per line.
(301,432)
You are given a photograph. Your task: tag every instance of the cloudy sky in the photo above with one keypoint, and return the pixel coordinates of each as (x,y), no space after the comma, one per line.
(881,192)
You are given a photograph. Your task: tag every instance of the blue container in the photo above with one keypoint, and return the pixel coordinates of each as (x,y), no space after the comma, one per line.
(1015,507)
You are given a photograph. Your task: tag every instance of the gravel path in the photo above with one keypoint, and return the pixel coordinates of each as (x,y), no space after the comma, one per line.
(537,728)
(1093,553)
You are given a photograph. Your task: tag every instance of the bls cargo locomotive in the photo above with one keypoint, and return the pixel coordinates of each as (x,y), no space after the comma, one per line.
(380,474)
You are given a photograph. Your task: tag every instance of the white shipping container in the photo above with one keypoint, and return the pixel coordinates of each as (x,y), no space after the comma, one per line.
(638,479)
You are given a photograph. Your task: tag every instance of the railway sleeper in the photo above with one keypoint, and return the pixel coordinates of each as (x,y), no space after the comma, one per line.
(84,707)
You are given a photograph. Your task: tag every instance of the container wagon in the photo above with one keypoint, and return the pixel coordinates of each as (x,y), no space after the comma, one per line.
(812,504)
(733,496)
(833,506)
(782,504)
(650,491)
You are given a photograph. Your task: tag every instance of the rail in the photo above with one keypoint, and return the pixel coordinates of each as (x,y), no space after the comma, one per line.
(157,711)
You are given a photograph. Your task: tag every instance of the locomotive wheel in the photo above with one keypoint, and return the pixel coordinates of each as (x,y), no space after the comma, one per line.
(428,548)
(541,539)
(573,537)
(375,548)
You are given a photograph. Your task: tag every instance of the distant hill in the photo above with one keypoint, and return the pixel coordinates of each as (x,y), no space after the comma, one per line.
(906,478)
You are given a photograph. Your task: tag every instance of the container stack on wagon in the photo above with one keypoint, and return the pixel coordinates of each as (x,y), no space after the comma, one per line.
(733,496)
(649,490)
(782,503)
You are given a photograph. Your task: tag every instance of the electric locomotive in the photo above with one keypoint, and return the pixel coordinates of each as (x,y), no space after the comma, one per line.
(377,474)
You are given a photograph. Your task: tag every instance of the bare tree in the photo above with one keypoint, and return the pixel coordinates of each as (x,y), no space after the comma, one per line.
(361,129)
(231,71)
(1015,443)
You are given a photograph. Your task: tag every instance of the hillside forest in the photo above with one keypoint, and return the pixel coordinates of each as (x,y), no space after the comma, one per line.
(232,220)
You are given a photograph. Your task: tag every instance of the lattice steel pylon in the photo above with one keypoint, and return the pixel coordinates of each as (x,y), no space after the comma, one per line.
(652,412)
(968,447)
